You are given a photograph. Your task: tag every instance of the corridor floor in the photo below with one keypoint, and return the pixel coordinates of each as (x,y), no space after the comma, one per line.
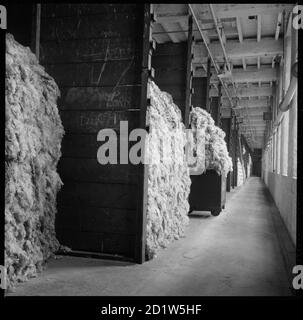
(236,253)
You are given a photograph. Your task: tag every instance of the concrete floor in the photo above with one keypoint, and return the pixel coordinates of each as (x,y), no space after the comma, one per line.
(236,253)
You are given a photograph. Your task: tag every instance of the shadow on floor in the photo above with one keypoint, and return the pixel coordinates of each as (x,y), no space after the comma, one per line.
(200,214)
(238,253)
(80,262)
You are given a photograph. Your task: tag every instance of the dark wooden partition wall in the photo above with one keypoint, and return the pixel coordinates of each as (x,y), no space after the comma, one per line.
(257,162)
(95,53)
(233,154)
(169,62)
(232,139)
(19,22)
(199,92)
(226,127)
(215,110)
(101,57)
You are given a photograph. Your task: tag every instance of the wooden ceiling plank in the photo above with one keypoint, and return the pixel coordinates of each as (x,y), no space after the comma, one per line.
(256,104)
(245,10)
(244,76)
(172,36)
(244,92)
(177,12)
(237,50)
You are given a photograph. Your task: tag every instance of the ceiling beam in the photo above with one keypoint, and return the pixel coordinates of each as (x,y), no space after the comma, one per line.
(179,12)
(244,92)
(257,117)
(242,10)
(170,11)
(172,36)
(255,122)
(254,116)
(258,111)
(254,125)
(237,50)
(253,111)
(258,132)
(255,129)
(251,104)
(241,76)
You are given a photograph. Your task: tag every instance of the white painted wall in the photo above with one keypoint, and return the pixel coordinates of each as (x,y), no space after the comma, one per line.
(284,192)
(279,157)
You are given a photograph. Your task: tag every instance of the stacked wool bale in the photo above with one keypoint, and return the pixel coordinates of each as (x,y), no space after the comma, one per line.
(216,154)
(33,135)
(168,173)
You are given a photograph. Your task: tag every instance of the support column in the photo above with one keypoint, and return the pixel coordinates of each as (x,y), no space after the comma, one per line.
(35,43)
(292,145)
(208,85)
(189,72)
(218,120)
(292,132)
(147,48)
(228,179)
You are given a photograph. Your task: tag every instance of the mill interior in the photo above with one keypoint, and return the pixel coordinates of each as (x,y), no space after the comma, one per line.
(218,79)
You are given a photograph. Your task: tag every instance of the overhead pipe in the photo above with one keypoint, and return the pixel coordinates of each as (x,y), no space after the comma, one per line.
(210,53)
(213,60)
(285,104)
(226,58)
(221,41)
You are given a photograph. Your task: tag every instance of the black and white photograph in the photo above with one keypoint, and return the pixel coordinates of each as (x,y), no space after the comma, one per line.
(151,150)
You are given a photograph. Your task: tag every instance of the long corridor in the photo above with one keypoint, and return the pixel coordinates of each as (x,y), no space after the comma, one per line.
(236,253)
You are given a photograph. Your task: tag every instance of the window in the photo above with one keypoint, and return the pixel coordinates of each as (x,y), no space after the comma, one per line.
(284,144)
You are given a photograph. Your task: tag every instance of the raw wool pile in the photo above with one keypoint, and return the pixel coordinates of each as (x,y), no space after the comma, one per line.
(216,154)
(168,173)
(33,134)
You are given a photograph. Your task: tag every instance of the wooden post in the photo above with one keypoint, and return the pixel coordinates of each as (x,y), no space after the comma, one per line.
(142,194)
(188,89)
(241,156)
(218,120)
(207,107)
(235,148)
(228,179)
(35,43)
